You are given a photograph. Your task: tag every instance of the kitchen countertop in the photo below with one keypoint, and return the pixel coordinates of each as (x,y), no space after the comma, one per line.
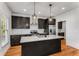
(25,39)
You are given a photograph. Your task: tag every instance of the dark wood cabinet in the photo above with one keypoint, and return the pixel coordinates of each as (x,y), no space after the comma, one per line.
(15,40)
(41,23)
(59,25)
(41,48)
(46,26)
(53,22)
(61,34)
(19,22)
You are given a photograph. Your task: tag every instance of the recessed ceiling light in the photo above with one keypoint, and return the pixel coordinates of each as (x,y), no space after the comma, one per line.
(63,8)
(24,10)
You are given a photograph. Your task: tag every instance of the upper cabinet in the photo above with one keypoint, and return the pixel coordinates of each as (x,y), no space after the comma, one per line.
(41,23)
(53,22)
(59,25)
(19,22)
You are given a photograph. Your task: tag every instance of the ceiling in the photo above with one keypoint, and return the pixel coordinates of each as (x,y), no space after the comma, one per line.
(42,8)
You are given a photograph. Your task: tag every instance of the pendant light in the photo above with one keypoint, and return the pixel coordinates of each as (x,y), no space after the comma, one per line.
(50,18)
(34,17)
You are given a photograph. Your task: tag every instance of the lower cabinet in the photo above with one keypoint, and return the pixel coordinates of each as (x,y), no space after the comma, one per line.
(61,34)
(41,48)
(15,40)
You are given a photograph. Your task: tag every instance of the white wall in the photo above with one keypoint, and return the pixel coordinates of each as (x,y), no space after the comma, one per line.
(72,27)
(25,31)
(4,11)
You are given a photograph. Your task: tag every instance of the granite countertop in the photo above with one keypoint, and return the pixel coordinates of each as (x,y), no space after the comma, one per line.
(38,38)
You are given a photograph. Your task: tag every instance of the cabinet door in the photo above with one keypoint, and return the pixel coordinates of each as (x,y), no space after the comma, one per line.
(59,25)
(46,47)
(31,49)
(53,22)
(20,22)
(55,45)
(15,40)
(51,46)
(46,26)
(41,23)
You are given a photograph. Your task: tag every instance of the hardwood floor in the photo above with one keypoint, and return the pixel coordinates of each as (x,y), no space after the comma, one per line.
(14,51)
(66,51)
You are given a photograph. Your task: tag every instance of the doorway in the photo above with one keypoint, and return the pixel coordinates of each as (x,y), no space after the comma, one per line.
(62,28)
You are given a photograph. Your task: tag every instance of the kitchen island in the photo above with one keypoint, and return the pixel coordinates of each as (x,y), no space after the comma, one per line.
(40,45)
